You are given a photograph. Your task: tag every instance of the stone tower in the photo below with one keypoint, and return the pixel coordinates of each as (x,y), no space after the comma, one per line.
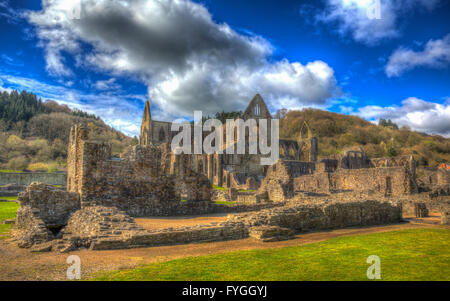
(146,130)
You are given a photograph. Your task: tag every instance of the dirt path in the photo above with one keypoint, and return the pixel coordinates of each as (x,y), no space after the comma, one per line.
(20,264)
(181,221)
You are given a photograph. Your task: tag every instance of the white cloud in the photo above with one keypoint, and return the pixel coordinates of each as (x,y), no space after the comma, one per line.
(436,54)
(351,18)
(418,114)
(187,60)
(109,84)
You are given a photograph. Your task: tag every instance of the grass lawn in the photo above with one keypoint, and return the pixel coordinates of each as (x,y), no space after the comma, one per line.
(416,254)
(7,211)
(225,203)
(9,170)
(9,198)
(220,188)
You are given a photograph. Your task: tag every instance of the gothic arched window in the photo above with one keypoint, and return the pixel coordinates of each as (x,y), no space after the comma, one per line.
(257,109)
(162,135)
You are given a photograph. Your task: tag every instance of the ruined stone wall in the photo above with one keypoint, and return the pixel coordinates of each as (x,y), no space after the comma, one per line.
(146,180)
(354,160)
(443,176)
(317,183)
(26,178)
(29,228)
(278,184)
(388,180)
(106,228)
(201,233)
(285,178)
(326,215)
(53,206)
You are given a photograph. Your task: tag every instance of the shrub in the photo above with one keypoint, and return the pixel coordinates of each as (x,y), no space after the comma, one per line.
(39,166)
(18,163)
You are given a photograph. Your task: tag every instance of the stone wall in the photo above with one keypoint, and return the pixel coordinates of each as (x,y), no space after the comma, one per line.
(201,233)
(326,215)
(278,183)
(106,228)
(26,178)
(354,160)
(443,177)
(286,178)
(54,206)
(385,180)
(445,214)
(29,229)
(147,180)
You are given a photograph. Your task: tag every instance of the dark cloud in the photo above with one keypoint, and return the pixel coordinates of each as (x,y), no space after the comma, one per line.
(186,59)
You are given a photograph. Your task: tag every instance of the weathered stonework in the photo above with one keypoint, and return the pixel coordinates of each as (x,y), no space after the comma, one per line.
(322,216)
(287,178)
(147,180)
(29,228)
(53,205)
(445,214)
(270,233)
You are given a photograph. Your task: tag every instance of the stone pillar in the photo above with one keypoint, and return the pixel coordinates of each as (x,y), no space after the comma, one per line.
(445,214)
(219,170)
(210,168)
(420,210)
(232,193)
(314,150)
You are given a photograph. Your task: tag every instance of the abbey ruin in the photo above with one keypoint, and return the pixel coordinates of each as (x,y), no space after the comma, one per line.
(105,195)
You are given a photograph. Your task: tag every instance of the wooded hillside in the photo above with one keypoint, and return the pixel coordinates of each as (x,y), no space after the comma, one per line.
(337,132)
(34,134)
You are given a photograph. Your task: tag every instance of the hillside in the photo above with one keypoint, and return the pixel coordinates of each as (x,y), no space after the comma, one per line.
(337,132)
(34,134)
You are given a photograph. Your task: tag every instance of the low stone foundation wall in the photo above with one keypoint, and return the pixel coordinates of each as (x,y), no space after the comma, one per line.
(202,233)
(323,216)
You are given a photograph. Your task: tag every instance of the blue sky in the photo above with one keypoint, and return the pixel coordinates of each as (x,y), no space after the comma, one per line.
(107,57)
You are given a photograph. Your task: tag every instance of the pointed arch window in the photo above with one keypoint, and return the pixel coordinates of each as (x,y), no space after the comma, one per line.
(162,135)
(257,109)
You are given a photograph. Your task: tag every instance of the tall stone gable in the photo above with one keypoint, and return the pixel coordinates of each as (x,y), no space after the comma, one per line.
(154,132)
(256,109)
(146,132)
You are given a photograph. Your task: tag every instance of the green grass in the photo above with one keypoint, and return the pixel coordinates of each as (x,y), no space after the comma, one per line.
(9,170)
(225,203)
(416,254)
(57,186)
(183,201)
(7,211)
(220,188)
(9,198)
